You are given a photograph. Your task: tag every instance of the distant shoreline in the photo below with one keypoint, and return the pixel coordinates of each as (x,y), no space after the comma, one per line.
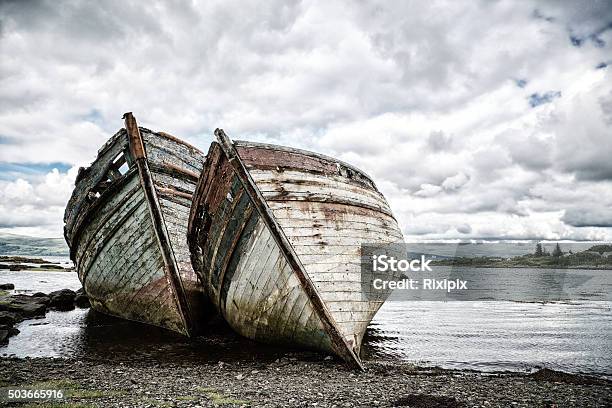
(597,257)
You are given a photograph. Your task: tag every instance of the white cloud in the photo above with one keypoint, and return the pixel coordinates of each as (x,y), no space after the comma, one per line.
(36,206)
(424,96)
(455,182)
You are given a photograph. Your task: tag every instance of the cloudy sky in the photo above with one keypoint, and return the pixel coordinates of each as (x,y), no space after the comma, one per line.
(476,119)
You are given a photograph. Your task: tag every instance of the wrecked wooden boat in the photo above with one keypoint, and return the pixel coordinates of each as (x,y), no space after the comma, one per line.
(275,236)
(126,226)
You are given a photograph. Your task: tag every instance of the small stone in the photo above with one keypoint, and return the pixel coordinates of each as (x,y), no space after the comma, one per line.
(62,299)
(81,300)
(7,286)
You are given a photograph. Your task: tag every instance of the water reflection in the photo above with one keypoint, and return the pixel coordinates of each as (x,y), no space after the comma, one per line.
(85,333)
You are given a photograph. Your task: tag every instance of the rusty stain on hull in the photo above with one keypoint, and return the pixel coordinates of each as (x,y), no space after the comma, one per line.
(260,214)
(126,227)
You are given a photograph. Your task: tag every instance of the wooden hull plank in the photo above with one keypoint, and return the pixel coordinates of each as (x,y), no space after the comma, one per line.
(326,216)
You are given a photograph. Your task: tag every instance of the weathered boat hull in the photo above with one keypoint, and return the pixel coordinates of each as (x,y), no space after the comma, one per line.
(126,226)
(275,237)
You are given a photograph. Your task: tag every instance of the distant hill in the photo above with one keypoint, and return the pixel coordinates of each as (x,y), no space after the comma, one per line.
(12,244)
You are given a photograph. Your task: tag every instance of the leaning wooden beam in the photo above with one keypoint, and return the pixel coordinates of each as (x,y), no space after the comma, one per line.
(146,180)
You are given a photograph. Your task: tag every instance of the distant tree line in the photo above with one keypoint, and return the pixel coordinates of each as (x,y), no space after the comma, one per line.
(598,256)
(541,251)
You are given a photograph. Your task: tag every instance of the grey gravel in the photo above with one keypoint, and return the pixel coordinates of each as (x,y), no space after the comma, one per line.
(297,382)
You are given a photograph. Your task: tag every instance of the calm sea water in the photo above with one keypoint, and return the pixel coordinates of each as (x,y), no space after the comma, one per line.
(496,335)
(574,336)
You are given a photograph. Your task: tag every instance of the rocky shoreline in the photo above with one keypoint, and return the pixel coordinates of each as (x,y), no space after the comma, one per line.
(17,308)
(298,380)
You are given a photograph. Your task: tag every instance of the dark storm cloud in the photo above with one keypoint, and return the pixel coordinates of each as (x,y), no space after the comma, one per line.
(595,172)
(464,229)
(594,218)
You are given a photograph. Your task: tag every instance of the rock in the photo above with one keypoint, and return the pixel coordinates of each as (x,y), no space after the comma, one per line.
(62,299)
(43,300)
(549,375)
(7,286)
(81,300)
(13,331)
(51,266)
(17,267)
(40,294)
(4,335)
(8,318)
(24,306)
